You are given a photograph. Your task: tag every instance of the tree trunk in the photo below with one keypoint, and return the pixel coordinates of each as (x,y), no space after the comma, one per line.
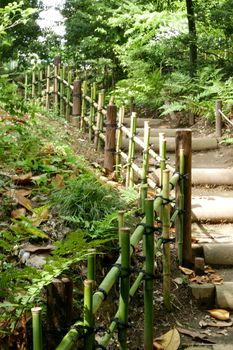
(192,38)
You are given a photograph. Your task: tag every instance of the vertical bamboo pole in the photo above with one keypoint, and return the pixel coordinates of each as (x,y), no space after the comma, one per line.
(143,196)
(184,141)
(92,111)
(84,104)
(162,154)
(98,120)
(119,142)
(145,162)
(88,315)
(47,88)
(181,208)
(131,151)
(40,82)
(68,96)
(77,98)
(55,101)
(91,265)
(62,90)
(110,140)
(124,287)
(26,87)
(149,275)
(37,328)
(166,246)
(33,84)
(121,222)
(218,118)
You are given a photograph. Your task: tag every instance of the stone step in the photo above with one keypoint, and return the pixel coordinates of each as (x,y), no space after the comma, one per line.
(212,209)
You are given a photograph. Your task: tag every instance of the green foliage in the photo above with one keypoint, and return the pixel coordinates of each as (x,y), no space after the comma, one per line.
(85,200)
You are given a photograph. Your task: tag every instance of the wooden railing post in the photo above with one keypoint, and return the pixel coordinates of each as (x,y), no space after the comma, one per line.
(110,141)
(77,102)
(33,84)
(184,141)
(218,118)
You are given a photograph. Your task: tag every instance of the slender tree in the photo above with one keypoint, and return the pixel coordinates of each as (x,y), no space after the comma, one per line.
(192,37)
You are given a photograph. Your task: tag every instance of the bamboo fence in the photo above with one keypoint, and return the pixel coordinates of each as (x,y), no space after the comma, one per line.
(84,106)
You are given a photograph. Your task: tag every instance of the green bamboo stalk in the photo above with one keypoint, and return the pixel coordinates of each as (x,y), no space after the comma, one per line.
(124,287)
(143,196)
(149,270)
(98,121)
(69,339)
(55,102)
(121,223)
(181,208)
(88,319)
(68,95)
(33,84)
(92,111)
(47,88)
(91,265)
(119,142)
(61,85)
(37,328)
(26,87)
(162,153)
(101,115)
(131,151)
(84,105)
(166,246)
(145,161)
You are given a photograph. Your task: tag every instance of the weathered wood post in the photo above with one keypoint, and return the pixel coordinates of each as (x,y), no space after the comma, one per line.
(184,141)
(110,140)
(33,84)
(59,310)
(218,118)
(77,103)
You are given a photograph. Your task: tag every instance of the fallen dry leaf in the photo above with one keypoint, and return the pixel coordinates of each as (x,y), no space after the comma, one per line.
(18,213)
(31,248)
(25,202)
(220,314)
(195,335)
(209,269)
(168,341)
(23,179)
(58,180)
(219,324)
(186,271)
(39,215)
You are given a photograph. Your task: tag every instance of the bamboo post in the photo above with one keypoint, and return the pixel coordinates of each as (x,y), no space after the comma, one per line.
(131,151)
(62,90)
(132,105)
(180,195)
(166,245)
(40,81)
(88,320)
(184,141)
(98,120)
(218,118)
(143,196)
(33,84)
(92,111)
(119,142)
(121,222)
(145,162)
(162,154)
(124,287)
(47,88)
(68,96)
(149,275)
(91,265)
(77,98)
(26,87)
(84,104)
(37,328)
(55,89)
(110,140)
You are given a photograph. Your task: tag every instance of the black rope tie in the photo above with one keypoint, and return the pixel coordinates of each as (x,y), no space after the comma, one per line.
(77,95)
(148,229)
(166,240)
(99,346)
(182,211)
(113,150)
(166,200)
(111,125)
(101,290)
(124,272)
(120,325)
